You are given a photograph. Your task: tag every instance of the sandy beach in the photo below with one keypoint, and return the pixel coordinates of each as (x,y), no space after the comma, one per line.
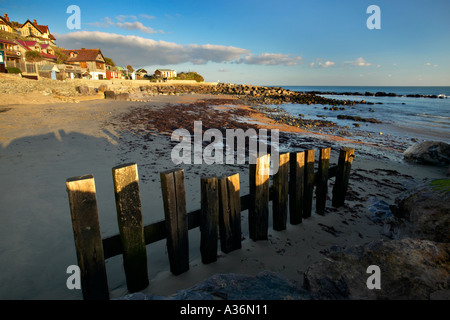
(45,141)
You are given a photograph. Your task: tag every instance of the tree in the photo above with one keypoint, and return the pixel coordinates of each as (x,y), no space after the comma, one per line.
(61,58)
(130,68)
(110,62)
(33,56)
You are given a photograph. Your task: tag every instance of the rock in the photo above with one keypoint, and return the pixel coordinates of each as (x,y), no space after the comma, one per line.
(83,90)
(429,152)
(110,95)
(102,88)
(410,269)
(264,286)
(122,96)
(427,210)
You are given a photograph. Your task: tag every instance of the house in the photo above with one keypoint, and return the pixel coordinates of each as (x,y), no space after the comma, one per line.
(141,73)
(37,32)
(5,25)
(91,62)
(112,72)
(49,71)
(45,50)
(68,71)
(166,73)
(11,50)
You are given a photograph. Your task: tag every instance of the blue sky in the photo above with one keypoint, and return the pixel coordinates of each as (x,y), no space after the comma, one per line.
(262,42)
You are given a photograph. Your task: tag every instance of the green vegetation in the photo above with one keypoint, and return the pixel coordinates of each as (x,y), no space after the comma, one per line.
(441,185)
(13,70)
(61,58)
(189,76)
(33,56)
(110,62)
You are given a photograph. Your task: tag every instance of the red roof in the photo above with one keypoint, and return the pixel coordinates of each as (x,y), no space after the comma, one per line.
(26,44)
(83,55)
(6,41)
(49,56)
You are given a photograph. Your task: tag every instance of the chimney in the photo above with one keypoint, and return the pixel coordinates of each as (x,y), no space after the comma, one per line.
(35,22)
(6,17)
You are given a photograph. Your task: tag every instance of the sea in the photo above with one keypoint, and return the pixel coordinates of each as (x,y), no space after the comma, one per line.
(404,120)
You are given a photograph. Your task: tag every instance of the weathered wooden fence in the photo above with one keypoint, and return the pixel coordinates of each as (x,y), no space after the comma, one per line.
(218,218)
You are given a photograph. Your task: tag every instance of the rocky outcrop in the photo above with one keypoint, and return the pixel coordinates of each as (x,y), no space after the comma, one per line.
(264,286)
(426,211)
(429,152)
(409,269)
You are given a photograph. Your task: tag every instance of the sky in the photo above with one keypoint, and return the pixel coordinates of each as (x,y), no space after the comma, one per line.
(324,42)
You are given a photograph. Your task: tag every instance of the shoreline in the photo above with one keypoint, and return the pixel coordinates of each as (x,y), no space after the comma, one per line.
(52,142)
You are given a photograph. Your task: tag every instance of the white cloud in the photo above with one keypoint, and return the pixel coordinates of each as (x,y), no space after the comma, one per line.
(360,62)
(137,26)
(270,59)
(124,17)
(321,63)
(223,70)
(139,51)
(429,64)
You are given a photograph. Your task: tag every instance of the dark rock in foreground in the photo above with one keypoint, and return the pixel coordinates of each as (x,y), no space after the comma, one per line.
(429,152)
(426,210)
(264,286)
(410,269)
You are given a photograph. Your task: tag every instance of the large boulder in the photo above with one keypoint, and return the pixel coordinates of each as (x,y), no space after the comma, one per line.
(409,269)
(429,152)
(84,90)
(426,210)
(264,286)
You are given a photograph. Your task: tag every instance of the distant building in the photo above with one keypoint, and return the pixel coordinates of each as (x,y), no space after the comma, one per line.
(165,73)
(5,25)
(141,73)
(45,50)
(37,32)
(91,62)
(10,49)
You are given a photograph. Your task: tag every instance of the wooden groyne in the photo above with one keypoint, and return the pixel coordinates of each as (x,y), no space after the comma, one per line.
(219,218)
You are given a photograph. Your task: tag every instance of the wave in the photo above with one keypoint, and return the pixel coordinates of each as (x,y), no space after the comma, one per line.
(432,116)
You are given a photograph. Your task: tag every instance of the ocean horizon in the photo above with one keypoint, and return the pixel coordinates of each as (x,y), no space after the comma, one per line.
(399,90)
(405,119)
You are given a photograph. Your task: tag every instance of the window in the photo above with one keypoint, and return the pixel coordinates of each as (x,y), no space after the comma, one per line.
(83,64)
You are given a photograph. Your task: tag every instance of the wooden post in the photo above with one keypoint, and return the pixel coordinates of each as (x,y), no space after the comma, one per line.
(176,220)
(131,228)
(280,192)
(296,187)
(229,213)
(322,180)
(88,238)
(309,183)
(342,177)
(258,214)
(209,219)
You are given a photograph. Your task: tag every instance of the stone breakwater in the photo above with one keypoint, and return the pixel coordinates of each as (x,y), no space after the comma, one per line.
(254,95)
(140,90)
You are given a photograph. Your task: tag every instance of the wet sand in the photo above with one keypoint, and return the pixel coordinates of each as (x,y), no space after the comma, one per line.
(43,144)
